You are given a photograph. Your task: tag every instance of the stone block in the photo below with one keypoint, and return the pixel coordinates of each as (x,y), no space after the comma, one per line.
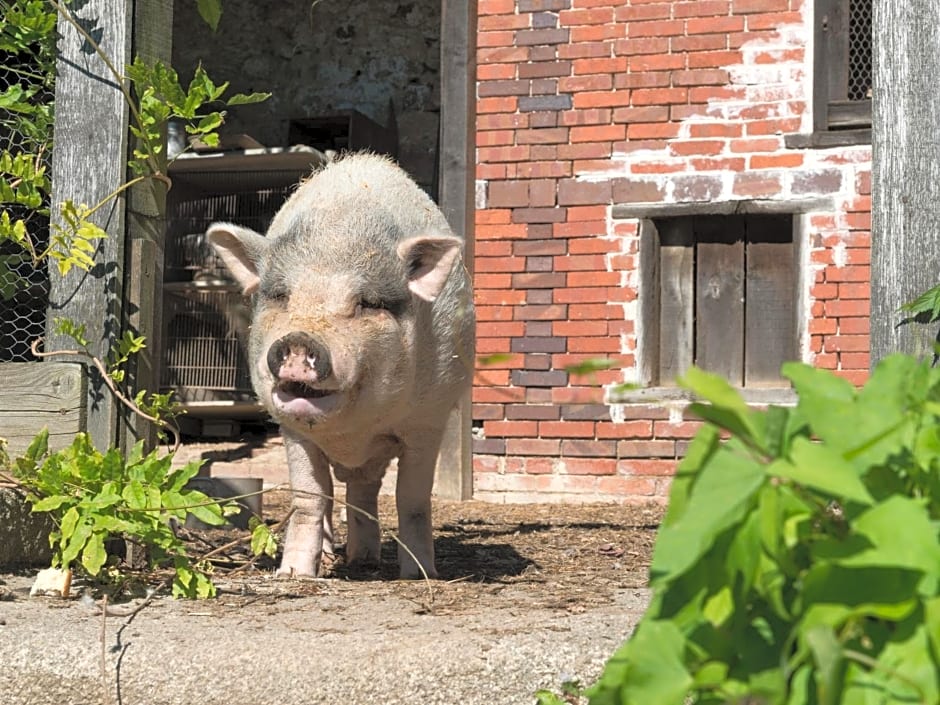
(24,536)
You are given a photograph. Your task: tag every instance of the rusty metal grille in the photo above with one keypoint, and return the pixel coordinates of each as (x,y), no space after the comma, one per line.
(860,49)
(24,288)
(206,333)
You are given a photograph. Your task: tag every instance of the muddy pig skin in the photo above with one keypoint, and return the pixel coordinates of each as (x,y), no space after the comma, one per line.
(361,343)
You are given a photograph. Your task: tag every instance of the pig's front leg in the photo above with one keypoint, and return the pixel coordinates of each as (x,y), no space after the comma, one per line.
(310,530)
(364,543)
(413,501)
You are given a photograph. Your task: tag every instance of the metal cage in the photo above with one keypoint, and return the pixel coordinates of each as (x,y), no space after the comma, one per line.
(205,316)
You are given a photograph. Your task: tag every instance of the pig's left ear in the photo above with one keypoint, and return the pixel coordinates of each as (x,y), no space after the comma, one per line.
(428,261)
(240,249)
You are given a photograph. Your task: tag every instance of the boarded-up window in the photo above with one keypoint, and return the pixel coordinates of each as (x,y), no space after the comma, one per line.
(843,64)
(719,292)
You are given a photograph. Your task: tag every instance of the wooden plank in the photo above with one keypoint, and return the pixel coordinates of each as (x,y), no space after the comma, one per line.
(648,321)
(905,164)
(719,296)
(676,298)
(89,163)
(770,294)
(456,196)
(37,395)
(146,229)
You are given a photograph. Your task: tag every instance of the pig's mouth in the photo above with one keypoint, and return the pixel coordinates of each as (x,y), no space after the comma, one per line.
(299,389)
(299,399)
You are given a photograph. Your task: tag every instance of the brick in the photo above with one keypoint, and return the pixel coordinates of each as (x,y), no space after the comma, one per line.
(542,20)
(657,62)
(646,467)
(566,429)
(507,429)
(646,449)
(503,88)
(697,188)
(634,428)
(588,449)
(573,192)
(533,446)
(626,487)
(538,361)
(538,215)
(682,429)
(778,161)
(642,45)
(546,248)
(593,466)
(538,344)
(749,6)
(850,343)
(551,135)
(550,378)
(659,96)
(538,264)
(712,25)
(531,37)
(589,412)
(638,191)
(822,182)
(486,446)
(495,7)
(507,194)
(755,184)
(545,69)
(543,5)
(598,15)
(543,102)
(539,412)
(553,312)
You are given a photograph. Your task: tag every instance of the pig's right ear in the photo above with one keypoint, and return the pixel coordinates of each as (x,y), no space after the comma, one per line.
(240,250)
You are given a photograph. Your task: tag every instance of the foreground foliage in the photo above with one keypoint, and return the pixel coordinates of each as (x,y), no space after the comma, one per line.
(799,560)
(96,497)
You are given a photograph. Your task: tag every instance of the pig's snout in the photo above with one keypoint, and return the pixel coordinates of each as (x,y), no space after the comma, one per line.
(299,357)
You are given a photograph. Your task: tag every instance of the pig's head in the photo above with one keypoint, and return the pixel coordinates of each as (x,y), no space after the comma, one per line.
(341,313)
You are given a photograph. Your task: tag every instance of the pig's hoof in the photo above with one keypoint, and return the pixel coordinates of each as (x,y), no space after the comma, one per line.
(414,573)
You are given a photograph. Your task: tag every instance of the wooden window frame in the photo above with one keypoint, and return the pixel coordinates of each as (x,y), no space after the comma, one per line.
(720,293)
(837,121)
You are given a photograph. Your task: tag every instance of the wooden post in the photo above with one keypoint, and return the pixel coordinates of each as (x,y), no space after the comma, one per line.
(905,171)
(456,196)
(146,229)
(89,162)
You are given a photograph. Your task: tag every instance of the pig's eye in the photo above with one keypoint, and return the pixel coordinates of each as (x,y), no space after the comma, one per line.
(278,296)
(367,304)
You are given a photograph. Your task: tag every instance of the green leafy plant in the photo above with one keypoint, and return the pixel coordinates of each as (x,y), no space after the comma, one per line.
(799,560)
(94,497)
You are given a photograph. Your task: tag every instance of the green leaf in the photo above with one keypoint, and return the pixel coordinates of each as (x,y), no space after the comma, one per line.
(719,607)
(247,99)
(649,668)
(94,555)
(48,504)
(827,653)
(210,11)
(821,468)
(721,496)
(927,303)
(728,409)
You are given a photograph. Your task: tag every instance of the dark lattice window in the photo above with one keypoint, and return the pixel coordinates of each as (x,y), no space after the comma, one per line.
(843,64)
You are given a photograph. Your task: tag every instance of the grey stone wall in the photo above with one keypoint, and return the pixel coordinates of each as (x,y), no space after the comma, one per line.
(318,57)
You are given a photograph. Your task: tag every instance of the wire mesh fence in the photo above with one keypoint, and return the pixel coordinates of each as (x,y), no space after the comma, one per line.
(26,96)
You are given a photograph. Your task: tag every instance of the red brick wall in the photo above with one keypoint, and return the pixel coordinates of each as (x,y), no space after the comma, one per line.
(583,104)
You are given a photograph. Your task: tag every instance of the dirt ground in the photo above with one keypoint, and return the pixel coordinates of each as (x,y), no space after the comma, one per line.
(528,596)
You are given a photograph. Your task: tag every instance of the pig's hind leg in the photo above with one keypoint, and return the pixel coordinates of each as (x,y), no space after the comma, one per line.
(310,530)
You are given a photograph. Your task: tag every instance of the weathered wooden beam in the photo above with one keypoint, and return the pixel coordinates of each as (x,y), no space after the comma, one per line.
(37,395)
(905,171)
(456,197)
(146,230)
(89,163)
